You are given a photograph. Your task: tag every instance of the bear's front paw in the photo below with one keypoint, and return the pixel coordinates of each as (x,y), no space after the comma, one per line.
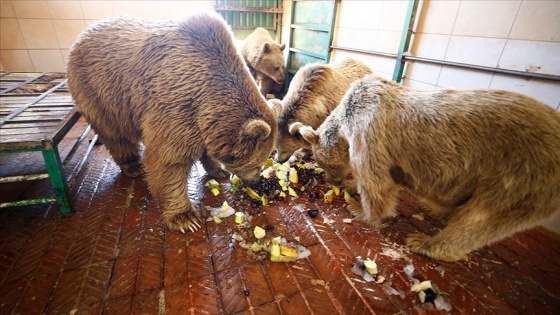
(431,247)
(132,169)
(183,221)
(217,173)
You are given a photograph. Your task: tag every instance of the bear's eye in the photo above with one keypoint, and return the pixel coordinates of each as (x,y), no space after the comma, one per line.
(277,68)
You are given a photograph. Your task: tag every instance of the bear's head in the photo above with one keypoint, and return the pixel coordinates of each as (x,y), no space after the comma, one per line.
(288,141)
(248,151)
(270,61)
(330,150)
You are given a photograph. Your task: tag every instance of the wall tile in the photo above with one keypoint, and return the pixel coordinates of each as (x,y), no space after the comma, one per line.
(359,14)
(38,34)
(356,38)
(452,77)
(545,91)
(10,35)
(432,46)
(423,72)
(475,50)
(486,18)
(438,17)
(16,60)
(67,31)
(47,60)
(393,15)
(6,9)
(388,41)
(31,9)
(64,53)
(71,10)
(544,56)
(94,10)
(537,20)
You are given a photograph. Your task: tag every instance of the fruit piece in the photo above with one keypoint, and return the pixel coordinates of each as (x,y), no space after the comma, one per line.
(275,250)
(293,176)
(288,251)
(427,295)
(421,286)
(212,184)
(259,232)
(347,197)
(282,194)
(235,183)
(336,190)
(292,192)
(253,194)
(313,212)
(371,266)
(239,216)
(281,175)
(328,197)
(215,191)
(283,184)
(264,200)
(255,247)
(269,162)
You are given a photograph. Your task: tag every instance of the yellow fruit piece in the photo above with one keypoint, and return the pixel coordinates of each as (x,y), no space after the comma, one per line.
(264,200)
(212,184)
(293,176)
(275,250)
(239,216)
(235,180)
(225,206)
(329,195)
(336,190)
(288,251)
(347,197)
(282,184)
(259,232)
(215,191)
(282,194)
(269,162)
(371,266)
(292,192)
(281,175)
(253,194)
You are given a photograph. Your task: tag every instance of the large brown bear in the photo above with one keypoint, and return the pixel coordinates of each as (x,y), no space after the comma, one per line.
(314,92)
(486,161)
(265,59)
(182,89)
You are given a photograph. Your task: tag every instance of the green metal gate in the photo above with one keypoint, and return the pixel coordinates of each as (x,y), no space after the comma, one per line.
(245,15)
(312,24)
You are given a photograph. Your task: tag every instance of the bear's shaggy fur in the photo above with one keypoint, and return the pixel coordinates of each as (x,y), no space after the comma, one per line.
(182,89)
(265,59)
(485,161)
(314,92)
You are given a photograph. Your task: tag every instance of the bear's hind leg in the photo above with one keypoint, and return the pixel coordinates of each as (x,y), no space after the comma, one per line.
(471,227)
(126,154)
(378,201)
(168,184)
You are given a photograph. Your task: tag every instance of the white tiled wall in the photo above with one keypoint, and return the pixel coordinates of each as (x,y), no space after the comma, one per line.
(522,35)
(36,35)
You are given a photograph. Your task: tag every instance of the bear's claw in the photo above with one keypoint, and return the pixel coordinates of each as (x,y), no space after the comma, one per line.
(184,221)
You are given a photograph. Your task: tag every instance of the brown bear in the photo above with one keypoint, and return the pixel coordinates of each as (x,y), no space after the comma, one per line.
(181,89)
(486,161)
(265,60)
(314,92)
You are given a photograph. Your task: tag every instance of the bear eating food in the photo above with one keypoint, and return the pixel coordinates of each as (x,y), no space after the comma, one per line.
(181,89)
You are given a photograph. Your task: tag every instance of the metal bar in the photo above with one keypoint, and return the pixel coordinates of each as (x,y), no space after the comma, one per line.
(27,202)
(76,145)
(64,126)
(488,69)
(331,31)
(405,39)
(310,27)
(308,53)
(367,52)
(72,178)
(15,86)
(56,174)
(23,108)
(22,178)
(248,9)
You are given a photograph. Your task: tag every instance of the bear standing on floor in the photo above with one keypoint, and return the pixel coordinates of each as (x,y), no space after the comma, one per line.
(181,88)
(485,161)
(314,92)
(265,59)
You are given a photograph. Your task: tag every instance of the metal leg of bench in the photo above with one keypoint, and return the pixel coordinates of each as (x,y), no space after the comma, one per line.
(56,174)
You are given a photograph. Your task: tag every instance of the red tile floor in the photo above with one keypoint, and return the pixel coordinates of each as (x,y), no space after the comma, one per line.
(114,256)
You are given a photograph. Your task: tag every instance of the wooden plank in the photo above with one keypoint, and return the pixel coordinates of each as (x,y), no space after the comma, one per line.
(12,125)
(27,131)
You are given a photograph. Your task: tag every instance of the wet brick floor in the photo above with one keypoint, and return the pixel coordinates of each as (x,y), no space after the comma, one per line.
(114,256)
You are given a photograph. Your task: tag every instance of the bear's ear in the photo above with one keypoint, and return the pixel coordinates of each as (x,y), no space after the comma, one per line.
(308,134)
(282,46)
(256,129)
(276,106)
(265,48)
